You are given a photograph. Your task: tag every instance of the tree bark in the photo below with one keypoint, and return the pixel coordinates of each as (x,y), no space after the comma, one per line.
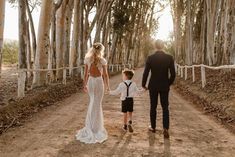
(22,35)
(211,21)
(60,36)
(113,47)
(52,52)
(74,46)
(81,52)
(68,14)
(106,35)
(189,35)
(29,52)
(22,54)
(33,34)
(41,58)
(232,34)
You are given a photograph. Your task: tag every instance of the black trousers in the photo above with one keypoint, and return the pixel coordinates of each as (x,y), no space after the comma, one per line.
(153,109)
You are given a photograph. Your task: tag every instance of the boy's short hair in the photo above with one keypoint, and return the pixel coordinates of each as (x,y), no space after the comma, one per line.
(129,73)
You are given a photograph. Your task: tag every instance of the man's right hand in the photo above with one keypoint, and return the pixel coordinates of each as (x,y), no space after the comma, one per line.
(145,88)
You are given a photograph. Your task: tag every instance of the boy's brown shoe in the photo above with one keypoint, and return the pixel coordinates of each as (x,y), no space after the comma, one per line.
(124,128)
(130,128)
(152,130)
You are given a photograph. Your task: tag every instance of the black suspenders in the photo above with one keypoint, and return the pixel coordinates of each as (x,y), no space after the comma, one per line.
(127,89)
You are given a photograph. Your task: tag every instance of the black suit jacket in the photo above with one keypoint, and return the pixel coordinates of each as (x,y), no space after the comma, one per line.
(162,70)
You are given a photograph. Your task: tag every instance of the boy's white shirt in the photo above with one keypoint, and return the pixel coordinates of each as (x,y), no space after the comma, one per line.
(122,89)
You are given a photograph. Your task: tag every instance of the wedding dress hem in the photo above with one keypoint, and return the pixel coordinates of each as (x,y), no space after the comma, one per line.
(85,135)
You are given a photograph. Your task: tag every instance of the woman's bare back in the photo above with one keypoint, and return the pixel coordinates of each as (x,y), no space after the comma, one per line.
(94,71)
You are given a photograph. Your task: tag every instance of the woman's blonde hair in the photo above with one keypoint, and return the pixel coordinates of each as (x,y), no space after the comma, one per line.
(95,53)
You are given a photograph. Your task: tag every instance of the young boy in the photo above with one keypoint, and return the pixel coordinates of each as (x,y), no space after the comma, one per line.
(128,90)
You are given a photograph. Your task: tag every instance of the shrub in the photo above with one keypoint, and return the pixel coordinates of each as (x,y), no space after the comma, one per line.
(10,52)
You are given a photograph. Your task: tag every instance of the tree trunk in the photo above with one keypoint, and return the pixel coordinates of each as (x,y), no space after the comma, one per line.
(60,36)
(211,21)
(106,36)
(203,38)
(232,34)
(177,11)
(225,58)
(74,46)
(22,35)
(66,49)
(52,52)
(41,58)
(81,52)
(33,34)
(113,48)
(29,52)
(22,54)
(189,30)
(2,19)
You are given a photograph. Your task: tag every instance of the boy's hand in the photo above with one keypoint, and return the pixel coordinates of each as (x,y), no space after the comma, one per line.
(107,91)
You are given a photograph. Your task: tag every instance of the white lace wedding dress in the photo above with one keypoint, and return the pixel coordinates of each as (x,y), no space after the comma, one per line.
(94,130)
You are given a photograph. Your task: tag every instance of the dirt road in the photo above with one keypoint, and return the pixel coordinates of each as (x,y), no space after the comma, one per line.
(8,84)
(51,133)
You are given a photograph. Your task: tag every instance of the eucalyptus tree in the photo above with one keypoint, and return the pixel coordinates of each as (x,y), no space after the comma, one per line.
(74,46)
(41,58)
(204,31)
(22,34)
(122,26)
(134,22)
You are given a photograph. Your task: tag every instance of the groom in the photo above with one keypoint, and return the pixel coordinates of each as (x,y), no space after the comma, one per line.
(161,65)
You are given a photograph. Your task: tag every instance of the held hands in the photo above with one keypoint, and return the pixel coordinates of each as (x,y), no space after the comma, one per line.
(107,90)
(145,88)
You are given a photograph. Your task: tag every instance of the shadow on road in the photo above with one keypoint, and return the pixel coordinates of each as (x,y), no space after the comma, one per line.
(119,148)
(167,148)
(152,138)
(152,151)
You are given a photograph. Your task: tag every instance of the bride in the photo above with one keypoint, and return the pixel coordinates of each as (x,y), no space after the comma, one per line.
(95,77)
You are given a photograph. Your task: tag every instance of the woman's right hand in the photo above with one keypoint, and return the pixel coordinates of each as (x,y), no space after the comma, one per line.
(85,89)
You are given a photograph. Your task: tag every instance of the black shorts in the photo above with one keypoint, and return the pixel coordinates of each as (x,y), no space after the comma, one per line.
(127,105)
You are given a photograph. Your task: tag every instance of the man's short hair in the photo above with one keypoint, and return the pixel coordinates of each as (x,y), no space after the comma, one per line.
(129,73)
(159,44)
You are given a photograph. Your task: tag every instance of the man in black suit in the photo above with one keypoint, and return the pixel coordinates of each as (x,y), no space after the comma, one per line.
(161,65)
